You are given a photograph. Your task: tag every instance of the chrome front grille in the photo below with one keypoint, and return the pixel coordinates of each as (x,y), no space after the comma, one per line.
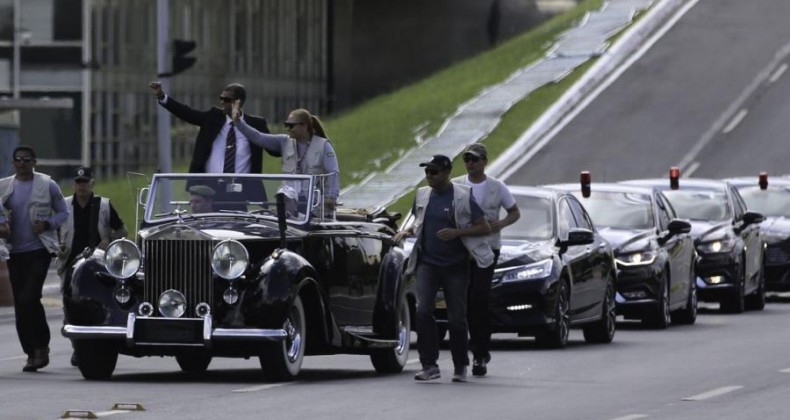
(183,265)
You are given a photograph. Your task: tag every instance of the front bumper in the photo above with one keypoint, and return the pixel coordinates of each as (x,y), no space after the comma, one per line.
(176,332)
(524,307)
(638,288)
(777,267)
(717,275)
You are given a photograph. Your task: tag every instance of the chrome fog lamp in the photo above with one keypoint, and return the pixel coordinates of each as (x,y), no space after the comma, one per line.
(122,258)
(229,259)
(145,309)
(172,304)
(123,295)
(202,309)
(230,296)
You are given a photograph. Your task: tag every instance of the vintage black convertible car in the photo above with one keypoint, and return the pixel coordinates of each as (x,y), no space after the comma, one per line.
(554,272)
(247,277)
(772,200)
(653,250)
(726,235)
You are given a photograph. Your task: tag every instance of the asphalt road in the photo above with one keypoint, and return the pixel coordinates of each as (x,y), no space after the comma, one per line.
(682,102)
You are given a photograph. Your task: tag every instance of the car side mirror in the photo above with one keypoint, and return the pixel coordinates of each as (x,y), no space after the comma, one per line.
(578,236)
(678,226)
(751,217)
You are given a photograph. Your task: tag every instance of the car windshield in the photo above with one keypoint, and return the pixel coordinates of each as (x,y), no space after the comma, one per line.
(189,195)
(619,210)
(774,201)
(536,220)
(699,204)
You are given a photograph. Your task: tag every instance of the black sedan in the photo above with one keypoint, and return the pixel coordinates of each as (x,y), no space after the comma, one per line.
(727,239)
(653,251)
(772,200)
(554,272)
(236,278)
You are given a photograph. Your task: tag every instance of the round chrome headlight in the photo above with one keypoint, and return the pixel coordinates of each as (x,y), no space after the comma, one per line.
(122,258)
(172,304)
(229,259)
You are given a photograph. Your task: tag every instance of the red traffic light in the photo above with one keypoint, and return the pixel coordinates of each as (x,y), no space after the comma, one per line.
(674,177)
(585,179)
(763,180)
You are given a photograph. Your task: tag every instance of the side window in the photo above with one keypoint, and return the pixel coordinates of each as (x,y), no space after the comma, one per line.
(737,203)
(665,212)
(565,218)
(582,219)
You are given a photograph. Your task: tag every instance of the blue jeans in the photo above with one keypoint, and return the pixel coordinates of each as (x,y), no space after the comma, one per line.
(453,280)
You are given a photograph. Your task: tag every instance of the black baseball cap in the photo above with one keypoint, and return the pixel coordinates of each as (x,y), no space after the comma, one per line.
(439,162)
(83,172)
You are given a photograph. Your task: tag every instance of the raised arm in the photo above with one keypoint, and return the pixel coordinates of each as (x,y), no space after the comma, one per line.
(181,111)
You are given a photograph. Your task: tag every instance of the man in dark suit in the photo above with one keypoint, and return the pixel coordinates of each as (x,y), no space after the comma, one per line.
(218,134)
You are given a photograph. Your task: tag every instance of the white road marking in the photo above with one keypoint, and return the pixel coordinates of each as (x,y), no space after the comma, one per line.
(690,170)
(733,108)
(632,417)
(412,361)
(7,359)
(713,393)
(778,73)
(261,387)
(735,121)
(785,370)
(519,163)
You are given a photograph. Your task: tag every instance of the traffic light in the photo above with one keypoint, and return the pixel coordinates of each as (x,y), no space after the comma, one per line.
(180,61)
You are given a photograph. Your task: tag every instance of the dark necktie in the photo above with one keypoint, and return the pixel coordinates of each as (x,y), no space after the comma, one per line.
(230,151)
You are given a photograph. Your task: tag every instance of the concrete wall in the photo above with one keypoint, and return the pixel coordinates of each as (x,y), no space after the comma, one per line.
(380,45)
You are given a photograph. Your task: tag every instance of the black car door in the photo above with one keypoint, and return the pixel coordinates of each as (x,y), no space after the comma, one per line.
(577,260)
(752,242)
(678,248)
(597,255)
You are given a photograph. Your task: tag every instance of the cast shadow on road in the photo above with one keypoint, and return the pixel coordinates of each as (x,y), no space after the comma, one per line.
(250,376)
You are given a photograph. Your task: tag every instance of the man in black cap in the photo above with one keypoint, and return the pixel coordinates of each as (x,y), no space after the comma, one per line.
(449,228)
(92,223)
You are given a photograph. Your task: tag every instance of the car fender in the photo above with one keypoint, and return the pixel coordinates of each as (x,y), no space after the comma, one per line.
(392,283)
(88,299)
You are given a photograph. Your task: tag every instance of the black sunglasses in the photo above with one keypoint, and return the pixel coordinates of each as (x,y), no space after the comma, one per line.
(432,171)
(292,125)
(471,158)
(25,159)
(226,99)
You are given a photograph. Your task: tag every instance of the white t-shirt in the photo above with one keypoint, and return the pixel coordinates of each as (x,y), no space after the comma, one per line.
(478,189)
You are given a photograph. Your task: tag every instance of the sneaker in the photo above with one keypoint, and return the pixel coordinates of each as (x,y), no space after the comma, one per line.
(38,360)
(29,365)
(479,367)
(459,375)
(428,373)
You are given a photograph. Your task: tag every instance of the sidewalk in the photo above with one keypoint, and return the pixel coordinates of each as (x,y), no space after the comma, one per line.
(476,118)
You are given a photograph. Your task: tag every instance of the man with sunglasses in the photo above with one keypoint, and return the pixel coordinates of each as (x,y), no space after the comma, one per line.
(219,146)
(492,195)
(92,223)
(449,229)
(33,209)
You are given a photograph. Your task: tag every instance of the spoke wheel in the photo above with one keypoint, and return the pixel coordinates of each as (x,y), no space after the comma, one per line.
(661,318)
(735,303)
(558,336)
(394,360)
(282,361)
(756,301)
(602,331)
(688,315)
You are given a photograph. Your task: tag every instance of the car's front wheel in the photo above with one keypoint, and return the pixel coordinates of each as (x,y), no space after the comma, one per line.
(660,316)
(97,358)
(557,337)
(734,303)
(756,300)
(282,361)
(394,360)
(602,331)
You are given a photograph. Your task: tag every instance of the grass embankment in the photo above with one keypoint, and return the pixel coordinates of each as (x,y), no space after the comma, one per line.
(373,135)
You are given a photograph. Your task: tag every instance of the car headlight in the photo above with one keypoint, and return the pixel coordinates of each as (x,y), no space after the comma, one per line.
(637,258)
(122,258)
(229,259)
(172,304)
(720,245)
(534,271)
